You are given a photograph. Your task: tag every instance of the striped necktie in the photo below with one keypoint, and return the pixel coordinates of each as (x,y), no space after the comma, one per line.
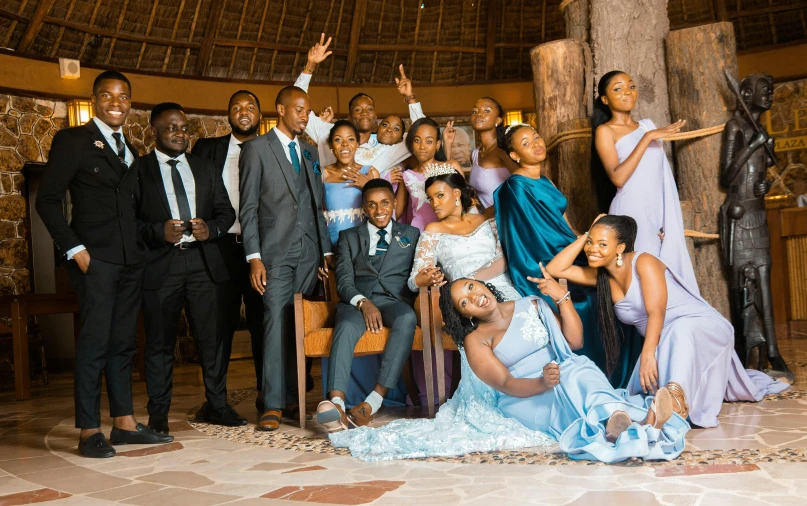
(382,245)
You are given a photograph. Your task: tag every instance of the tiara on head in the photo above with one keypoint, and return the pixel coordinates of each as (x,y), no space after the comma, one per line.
(515,125)
(438,169)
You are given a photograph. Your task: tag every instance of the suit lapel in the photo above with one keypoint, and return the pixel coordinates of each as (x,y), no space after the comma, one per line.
(220,156)
(285,167)
(111,155)
(364,242)
(157,179)
(393,246)
(199,185)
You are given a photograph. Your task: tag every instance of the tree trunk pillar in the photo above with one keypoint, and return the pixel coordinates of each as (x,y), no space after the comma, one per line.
(629,36)
(574,175)
(699,94)
(577,17)
(559,89)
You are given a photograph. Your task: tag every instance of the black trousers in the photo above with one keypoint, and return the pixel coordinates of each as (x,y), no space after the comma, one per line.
(109,302)
(188,283)
(231,293)
(297,272)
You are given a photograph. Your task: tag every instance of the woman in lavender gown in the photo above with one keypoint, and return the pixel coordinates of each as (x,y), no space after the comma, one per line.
(688,345)
(629,155)
(490,164)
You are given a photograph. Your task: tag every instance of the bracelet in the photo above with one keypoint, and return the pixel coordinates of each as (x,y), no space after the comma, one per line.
(408,98)
(563,299)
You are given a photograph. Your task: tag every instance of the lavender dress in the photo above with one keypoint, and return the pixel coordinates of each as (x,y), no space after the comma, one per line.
(485,181)
(651,198)
(696,350)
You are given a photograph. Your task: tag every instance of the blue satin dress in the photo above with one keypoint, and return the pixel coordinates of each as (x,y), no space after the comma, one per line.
(342,211)
(532,229)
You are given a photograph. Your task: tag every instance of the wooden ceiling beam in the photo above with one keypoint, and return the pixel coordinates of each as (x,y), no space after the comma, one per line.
(89,25)
(421,48)
(92,30)
(492,15)
(768,10)
(173,34)
(190,36)
(61,29)
(303,33)
(206,47)
(359,11)
(148,32)
(117,29)
(14,22)
(32,30)
(260,33)
(237,37)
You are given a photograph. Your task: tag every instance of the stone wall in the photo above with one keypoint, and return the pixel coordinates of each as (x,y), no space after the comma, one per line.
(27,127)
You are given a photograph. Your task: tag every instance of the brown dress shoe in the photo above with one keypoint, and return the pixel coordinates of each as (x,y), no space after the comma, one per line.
(269,420)
(361,415)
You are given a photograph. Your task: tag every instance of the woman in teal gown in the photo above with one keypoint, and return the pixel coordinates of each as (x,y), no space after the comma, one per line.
(533,228)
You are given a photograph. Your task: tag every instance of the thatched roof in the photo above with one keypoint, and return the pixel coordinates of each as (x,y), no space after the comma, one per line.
(439,41)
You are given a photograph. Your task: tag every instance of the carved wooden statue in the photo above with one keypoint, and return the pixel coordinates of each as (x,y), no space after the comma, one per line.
(747,153)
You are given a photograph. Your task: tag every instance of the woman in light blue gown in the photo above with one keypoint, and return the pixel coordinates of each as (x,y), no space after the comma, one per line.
(343,183)
(518,349)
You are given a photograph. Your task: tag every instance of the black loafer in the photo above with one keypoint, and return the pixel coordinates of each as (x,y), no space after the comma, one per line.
(142,436)
(226,416)
(159,424)
(96,447)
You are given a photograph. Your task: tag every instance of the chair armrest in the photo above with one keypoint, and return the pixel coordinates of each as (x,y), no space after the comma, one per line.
(311,313)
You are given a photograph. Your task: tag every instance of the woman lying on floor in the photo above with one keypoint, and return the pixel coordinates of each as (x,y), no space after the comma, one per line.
(531,384)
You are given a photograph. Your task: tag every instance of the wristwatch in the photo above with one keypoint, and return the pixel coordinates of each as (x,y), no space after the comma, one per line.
(359,304)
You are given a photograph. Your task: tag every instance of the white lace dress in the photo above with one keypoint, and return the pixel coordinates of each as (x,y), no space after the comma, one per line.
(477,255)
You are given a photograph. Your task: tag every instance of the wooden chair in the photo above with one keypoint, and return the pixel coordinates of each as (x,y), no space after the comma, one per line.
(314,322)
(442,342)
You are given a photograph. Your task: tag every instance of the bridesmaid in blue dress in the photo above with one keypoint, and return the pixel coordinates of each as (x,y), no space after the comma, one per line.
(689,346)
(533,228)
(343,183)
(629,156)
(523,351)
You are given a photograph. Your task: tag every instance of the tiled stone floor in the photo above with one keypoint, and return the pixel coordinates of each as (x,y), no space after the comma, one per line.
(758,456)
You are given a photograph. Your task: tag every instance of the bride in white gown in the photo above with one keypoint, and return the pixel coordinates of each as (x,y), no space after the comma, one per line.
(461,244)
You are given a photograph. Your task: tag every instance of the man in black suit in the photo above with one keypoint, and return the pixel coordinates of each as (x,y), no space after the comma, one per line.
(245,118)
(105,260)
(285,239)
(182,212)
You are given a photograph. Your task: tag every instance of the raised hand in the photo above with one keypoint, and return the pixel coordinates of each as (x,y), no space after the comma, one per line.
(318,53)
(396,176)
(404,84)
(327,115)
(660,133)
(548,285)
(449,133)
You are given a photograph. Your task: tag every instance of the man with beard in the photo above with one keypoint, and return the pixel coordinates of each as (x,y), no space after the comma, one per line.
(183,211)
(362,112)
(285,240)
(244,112)
(104,260)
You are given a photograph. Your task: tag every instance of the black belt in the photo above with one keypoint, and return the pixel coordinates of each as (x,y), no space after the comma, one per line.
(188,245)
(238,238)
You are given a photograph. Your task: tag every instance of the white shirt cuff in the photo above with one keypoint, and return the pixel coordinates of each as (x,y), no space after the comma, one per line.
(72,252)
(303,80)
(254,255)
(356,299)
(327,254)
(416,111)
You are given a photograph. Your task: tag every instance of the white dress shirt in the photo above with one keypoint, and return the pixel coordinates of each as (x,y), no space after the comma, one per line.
(381,156)
(187,181)
(107,132)
(230,176)
(374,237)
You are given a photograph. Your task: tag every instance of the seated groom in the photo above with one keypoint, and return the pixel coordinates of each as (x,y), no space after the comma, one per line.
(373,262)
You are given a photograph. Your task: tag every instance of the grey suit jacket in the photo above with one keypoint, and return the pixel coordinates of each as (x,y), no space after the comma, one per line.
(355,274)
(268,208)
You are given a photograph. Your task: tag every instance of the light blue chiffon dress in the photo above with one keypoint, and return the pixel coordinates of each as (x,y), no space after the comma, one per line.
(479,418)
(342,211)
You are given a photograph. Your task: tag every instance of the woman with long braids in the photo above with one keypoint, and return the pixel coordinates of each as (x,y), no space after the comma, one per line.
(688,345)
(522,352)
(490,165)
(533,228)
(632,174)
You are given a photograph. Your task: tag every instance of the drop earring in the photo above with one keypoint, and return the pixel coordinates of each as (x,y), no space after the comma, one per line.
(457,202)
(619,260)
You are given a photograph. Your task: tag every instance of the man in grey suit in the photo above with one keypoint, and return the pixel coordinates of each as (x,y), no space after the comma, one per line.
(285,240)
(373,262)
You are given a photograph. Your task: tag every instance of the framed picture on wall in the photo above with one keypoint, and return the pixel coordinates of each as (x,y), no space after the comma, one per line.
(464,145)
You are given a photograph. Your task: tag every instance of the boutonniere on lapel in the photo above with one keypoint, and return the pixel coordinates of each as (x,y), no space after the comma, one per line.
(99,144)
(404,241)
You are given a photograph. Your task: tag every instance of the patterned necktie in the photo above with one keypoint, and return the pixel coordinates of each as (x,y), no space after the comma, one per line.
(121,147)
(382,245)
(295,160)
(182,197)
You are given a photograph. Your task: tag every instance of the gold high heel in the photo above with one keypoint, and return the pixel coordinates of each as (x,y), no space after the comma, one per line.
(681,407)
